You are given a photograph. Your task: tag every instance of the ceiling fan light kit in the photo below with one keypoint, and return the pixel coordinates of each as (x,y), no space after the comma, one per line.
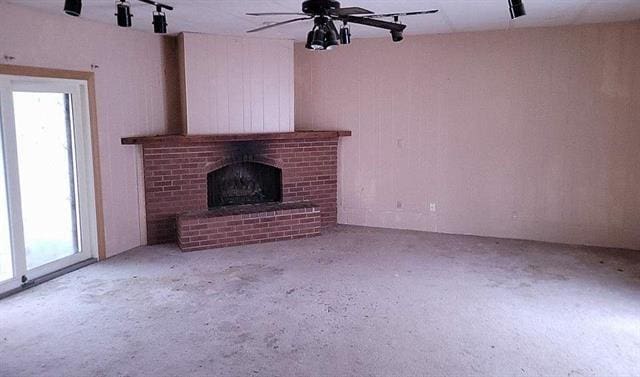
(324,35)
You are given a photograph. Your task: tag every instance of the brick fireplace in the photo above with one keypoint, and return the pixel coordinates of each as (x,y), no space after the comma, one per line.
(221,190)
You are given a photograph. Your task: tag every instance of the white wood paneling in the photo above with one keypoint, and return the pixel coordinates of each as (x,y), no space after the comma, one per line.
(237,85)
(520,134)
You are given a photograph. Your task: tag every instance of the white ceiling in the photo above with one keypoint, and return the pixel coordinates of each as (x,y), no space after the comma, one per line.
(227,17)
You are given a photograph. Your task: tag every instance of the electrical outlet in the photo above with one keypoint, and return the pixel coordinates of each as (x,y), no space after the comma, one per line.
(432,207)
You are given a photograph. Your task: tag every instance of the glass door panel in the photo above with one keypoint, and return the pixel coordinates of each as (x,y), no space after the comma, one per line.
(46,169)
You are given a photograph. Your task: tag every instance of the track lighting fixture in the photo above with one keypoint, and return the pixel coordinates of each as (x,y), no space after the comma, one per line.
(123,13)
(325,35)
(73,7)
(516,9)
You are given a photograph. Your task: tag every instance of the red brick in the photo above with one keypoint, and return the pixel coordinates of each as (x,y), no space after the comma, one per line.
(175,181)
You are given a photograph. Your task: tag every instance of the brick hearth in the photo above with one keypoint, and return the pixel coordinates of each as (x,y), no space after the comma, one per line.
(245,224)
(175,175)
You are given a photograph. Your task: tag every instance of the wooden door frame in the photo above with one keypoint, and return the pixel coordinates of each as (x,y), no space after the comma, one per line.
(89,77)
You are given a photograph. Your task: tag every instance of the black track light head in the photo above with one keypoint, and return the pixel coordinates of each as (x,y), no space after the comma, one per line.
(73,7)
(159,17)
(123,13)
(516,9)
(396,36)
(159,21)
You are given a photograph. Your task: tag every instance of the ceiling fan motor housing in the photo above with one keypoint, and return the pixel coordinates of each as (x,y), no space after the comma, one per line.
(320,7)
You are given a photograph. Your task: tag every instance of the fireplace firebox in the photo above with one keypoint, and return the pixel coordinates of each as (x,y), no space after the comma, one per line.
(244,183)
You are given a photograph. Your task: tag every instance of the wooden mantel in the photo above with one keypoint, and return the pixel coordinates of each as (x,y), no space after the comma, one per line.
(191,139)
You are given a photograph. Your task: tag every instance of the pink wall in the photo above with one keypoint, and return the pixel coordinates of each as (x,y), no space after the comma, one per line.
(136,89)
(530,134)
(236,85)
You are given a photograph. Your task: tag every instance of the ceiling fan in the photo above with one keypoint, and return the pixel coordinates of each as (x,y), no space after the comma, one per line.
(325,35)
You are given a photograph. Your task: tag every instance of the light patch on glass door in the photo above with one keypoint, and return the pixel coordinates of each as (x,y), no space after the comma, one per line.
(46,167)
(6,257)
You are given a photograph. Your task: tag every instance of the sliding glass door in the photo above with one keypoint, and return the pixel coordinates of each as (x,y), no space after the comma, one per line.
(47,216)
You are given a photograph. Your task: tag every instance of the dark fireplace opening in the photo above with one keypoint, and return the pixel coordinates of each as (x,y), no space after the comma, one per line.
(244,183)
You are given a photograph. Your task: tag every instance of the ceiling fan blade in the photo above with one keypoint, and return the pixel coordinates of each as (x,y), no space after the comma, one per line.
(402,14)
(374,23)
(279,24)
(277,14)
(350,11)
